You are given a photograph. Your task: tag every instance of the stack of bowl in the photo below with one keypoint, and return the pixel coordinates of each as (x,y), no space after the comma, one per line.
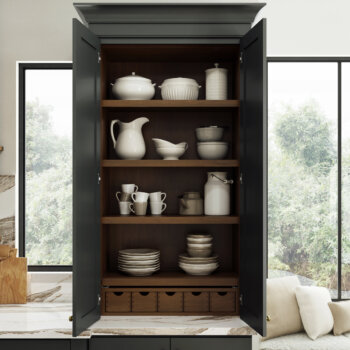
(139,262)
(210,145)
(168,150)
(199,261)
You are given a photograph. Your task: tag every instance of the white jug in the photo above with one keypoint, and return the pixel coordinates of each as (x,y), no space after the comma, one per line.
(130,143)
(217,194)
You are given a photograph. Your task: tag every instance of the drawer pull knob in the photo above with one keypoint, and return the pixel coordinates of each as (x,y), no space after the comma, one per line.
(170,294)
(222,293)
(118,294)
(144,293)
(196,293)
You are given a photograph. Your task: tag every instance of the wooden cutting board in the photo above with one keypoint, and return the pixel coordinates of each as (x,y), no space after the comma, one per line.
(13,281)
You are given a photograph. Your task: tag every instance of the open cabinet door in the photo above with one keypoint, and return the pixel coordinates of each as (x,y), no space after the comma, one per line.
(253,162)
(86,197)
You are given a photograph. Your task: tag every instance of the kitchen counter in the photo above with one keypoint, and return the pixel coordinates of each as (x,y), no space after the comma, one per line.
(51,320)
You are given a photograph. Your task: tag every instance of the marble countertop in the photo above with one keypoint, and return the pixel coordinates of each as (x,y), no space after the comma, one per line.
(51,320)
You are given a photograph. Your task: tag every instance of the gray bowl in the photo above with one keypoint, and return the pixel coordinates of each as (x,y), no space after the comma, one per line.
(210,133)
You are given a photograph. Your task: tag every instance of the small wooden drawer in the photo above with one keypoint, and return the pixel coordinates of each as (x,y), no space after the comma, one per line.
(170,301)
(144,302)
(223,301)
(196,302)
(118,302)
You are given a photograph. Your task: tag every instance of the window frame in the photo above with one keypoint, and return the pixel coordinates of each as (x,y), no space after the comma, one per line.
(339,60)
(22,67)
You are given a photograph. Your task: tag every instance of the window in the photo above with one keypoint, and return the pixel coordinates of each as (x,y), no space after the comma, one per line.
(45,165)
(309,172)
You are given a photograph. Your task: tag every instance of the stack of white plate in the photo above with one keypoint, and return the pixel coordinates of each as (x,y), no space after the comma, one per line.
(198,266)
(139,262)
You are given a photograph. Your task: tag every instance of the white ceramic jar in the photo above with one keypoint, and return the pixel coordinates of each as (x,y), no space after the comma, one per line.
(217,194)
(216,83)
(133,87)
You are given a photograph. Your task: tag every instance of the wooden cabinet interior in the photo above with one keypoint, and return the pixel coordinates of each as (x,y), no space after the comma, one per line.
(174,121)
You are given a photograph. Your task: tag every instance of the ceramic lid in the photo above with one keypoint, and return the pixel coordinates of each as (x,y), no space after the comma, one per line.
(216,69)
(134,77)
(187,81)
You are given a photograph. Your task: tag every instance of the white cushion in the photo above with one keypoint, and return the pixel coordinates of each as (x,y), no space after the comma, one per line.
(301,341)
(341,315)
(282,307)
(314,310)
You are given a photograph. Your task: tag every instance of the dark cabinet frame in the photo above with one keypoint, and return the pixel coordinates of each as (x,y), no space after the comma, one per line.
(224,24)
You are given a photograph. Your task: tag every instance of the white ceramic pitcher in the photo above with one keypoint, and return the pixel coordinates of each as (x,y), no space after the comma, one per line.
(130,143)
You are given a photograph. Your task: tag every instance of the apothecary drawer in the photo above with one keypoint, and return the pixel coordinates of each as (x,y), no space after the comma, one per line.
(144,302)
(223,301)
(170,302)
(118,302)
(196,302)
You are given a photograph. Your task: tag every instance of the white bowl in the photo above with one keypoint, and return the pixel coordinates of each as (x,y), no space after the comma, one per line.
(199,245)
(212,150)
(166,144)
(199,253)
(171,153)
(199,270)
(209,134)
(199,238)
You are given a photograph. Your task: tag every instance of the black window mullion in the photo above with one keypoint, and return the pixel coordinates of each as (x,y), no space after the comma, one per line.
(339,181)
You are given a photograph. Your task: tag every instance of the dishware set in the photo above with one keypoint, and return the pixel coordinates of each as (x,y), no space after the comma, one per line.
(209,145)
(139,262)
(198,261)
(131,200)
(135,87)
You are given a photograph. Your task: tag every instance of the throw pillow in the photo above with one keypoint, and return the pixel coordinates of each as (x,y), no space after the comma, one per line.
(341,316)
(281,307)
(314,310)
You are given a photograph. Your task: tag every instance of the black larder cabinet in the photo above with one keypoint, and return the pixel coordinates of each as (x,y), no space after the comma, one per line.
(162,25)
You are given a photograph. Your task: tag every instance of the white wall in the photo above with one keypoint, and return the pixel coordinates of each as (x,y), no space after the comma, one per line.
(40,30)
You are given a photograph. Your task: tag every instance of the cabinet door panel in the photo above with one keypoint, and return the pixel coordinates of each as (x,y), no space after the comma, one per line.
(34,344)
(253,161)
(212,343)
(132,343)
(86,198)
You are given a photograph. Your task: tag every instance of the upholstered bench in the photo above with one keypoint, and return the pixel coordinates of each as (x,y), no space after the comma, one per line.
(301,341)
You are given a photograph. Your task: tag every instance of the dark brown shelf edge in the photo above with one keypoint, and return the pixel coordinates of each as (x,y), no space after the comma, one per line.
(163,219)
(159,163)
(170,103)
(171,279)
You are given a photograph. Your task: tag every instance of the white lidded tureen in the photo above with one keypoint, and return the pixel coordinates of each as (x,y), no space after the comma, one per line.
(133,87)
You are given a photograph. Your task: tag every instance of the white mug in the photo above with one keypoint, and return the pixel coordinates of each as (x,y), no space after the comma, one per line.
(157,196)
(140,196)
(157,208)
(124,208)
(129,188)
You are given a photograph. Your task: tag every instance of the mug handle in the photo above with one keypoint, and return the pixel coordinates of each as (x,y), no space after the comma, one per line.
(136,188)
(118,193)
(163,205)
(131,205)
(162,194)
(133,196)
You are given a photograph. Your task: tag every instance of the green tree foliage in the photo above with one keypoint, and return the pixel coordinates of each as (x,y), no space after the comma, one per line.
(48,189)
(303,194)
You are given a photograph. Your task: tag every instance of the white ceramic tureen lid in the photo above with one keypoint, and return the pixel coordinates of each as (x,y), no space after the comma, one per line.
(187,81)
(134,77)
(216,68)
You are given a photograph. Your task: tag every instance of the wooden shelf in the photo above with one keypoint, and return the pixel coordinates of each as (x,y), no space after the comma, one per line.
(171,279)
(170,104)
(163,219)
(181,163)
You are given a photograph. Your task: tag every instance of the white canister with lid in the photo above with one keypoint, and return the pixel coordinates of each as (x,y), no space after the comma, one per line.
(217,194)
(216,83)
